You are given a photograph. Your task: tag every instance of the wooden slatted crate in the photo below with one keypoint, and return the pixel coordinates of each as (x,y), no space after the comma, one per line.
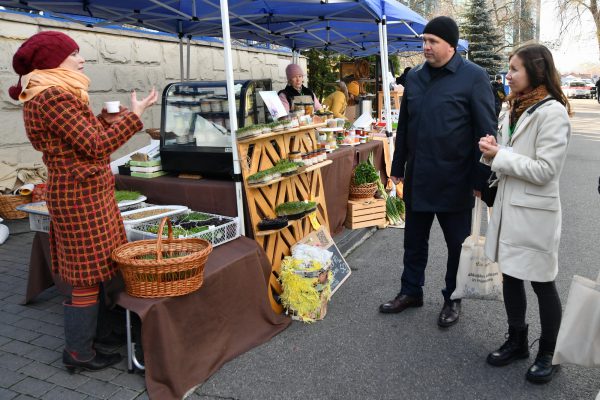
(365,213)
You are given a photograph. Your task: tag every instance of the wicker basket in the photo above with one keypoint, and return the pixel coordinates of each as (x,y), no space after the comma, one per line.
(8,204)
(162,267)
(360,192)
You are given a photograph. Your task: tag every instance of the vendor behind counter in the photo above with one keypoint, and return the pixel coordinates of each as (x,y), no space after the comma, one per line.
(338,100)
(295,91)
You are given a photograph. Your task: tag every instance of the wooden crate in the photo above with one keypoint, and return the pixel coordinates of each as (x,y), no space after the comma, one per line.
(364,213)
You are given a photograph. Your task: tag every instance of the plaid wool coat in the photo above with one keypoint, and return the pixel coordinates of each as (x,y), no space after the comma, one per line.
(85,221)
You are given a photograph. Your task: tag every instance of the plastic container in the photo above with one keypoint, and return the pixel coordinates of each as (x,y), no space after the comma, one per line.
(216,235)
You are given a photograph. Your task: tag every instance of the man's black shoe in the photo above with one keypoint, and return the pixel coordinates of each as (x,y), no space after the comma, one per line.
(449,314)
(400,303)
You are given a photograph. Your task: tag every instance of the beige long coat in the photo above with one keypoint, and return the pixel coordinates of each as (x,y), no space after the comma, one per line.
(524,230)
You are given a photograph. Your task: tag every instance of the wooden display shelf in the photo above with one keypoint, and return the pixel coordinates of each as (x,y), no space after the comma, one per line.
(261,152)
(278,133)
(300,171)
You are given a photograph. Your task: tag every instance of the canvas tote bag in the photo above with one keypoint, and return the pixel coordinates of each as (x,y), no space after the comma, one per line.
(477,276)
(578,339)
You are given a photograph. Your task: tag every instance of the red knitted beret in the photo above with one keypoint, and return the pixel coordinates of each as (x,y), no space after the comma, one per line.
(44,50)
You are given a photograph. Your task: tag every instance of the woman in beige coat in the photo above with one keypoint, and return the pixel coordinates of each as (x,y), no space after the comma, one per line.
(524,230)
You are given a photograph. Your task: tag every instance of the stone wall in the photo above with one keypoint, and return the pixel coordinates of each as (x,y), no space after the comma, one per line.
(118,61)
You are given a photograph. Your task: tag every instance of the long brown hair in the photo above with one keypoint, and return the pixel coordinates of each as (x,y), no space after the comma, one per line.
(539,64)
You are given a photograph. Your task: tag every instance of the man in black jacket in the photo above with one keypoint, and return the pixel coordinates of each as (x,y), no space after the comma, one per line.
(447,106)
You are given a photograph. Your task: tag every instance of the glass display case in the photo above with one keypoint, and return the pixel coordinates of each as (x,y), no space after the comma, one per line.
(195,126)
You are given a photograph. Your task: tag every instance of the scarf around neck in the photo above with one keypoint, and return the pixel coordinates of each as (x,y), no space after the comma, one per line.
(39,80)
(520,103)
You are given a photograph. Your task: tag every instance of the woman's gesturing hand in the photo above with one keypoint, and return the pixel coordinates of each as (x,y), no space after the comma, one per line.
(488,146)
(139,106)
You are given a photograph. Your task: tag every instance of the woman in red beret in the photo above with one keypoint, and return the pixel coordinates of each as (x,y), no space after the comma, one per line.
(76,145)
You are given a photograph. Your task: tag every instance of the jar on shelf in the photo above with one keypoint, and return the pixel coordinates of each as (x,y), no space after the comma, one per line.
(295,156)
(309,108)
(307,159)
(322,155)
(205,105)
(215,105)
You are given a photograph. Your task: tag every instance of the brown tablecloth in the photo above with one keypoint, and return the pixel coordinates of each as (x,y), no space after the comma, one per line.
(336,181)
(40,275)
(212,196)
(188,338)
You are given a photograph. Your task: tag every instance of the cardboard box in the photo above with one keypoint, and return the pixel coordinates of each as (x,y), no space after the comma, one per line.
(365,213)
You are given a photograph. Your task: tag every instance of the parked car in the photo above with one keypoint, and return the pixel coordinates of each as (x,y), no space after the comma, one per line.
(577,89)
(592,84)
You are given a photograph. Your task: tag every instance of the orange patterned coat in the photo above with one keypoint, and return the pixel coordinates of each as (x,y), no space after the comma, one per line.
(86,224)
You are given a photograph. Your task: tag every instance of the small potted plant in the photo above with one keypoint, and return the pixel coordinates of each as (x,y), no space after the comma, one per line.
(291,209)
(276,126)
(260,177)
(286,123)
(243,132)
(248,131)
(267,224)
(363,184)
(285,167)
(309,206)
(124,169)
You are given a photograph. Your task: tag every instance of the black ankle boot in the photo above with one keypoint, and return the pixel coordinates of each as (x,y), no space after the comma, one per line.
(97,362)
(516,347)
(542,369)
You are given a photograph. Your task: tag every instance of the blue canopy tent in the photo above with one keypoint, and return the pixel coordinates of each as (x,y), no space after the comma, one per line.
(297,24)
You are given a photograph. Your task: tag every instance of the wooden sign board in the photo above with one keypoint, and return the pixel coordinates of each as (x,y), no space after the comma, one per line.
(339,267)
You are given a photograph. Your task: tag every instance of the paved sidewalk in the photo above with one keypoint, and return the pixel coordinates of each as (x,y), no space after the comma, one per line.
(31,339)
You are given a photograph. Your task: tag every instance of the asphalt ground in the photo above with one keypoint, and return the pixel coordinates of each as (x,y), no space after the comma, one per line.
(355,352)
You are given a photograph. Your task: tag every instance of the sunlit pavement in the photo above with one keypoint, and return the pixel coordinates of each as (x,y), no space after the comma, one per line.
(586,120)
